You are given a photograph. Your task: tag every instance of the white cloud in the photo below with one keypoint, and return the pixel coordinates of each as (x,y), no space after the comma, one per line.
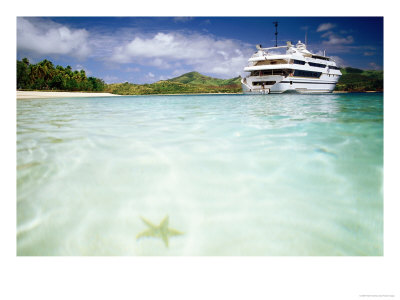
(334,39)
(339,61)
(182,19)
(203,53)
(111,79)
(159,63)
(178,72)
(375,66)
(130,69)
(44,37)
(151,75)
(325,27)
(79,67)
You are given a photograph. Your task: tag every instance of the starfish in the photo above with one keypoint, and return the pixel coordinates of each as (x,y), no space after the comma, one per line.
(161,231)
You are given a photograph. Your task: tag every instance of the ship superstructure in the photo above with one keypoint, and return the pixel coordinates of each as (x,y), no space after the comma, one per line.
(297,70)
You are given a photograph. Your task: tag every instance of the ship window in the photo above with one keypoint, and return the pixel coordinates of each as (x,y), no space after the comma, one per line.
(271,62)
(334,68)
(301,73)
(299,62)
(264,82)
(282,72)
(316,65)
(320,57)
(268,72)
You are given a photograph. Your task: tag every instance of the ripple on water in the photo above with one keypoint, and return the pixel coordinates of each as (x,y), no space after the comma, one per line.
(239,175)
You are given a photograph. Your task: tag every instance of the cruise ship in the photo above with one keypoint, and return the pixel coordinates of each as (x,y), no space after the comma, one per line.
(295,71)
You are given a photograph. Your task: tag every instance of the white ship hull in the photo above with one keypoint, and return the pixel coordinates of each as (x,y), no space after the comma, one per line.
(291,85)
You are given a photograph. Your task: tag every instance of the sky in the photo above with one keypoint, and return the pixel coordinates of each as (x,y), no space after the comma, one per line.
(149,49)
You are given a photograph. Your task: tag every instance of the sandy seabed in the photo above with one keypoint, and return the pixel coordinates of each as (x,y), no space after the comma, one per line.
(36,94)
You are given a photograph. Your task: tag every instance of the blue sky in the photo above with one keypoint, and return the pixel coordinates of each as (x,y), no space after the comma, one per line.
(148,49)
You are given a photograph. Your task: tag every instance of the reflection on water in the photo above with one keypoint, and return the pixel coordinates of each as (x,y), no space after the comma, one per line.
(238,175)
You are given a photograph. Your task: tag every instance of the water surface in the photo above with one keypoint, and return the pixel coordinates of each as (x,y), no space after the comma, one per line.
(238,175)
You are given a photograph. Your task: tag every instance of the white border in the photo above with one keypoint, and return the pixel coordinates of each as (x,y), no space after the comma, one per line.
(197,277)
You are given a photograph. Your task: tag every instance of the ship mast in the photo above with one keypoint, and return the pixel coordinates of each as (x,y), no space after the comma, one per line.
(276,33)
(306,38)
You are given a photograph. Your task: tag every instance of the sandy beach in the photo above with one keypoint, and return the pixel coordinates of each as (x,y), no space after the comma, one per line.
(37,95)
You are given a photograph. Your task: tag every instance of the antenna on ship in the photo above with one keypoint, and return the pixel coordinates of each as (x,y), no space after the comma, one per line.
(305,39)
(276,33)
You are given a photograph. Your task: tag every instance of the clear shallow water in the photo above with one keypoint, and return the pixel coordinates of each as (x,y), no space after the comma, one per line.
(238,175)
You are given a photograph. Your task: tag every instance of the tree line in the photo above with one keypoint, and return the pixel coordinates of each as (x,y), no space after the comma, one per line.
(44,76)
(357,80)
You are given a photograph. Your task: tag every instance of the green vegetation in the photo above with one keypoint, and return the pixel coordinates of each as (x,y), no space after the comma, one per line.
(44,76)
(357,80)
(352,80)
(189,83)
(197,78)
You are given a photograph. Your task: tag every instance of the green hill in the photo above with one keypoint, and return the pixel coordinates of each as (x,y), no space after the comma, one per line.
(197,78)
(189,83)
(357,80)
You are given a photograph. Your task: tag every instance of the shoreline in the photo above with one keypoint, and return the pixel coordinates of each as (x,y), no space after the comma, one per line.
(45,95)
(183,94)
(349,92)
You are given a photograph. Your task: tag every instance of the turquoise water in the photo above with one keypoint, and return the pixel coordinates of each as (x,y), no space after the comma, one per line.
(237,175)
